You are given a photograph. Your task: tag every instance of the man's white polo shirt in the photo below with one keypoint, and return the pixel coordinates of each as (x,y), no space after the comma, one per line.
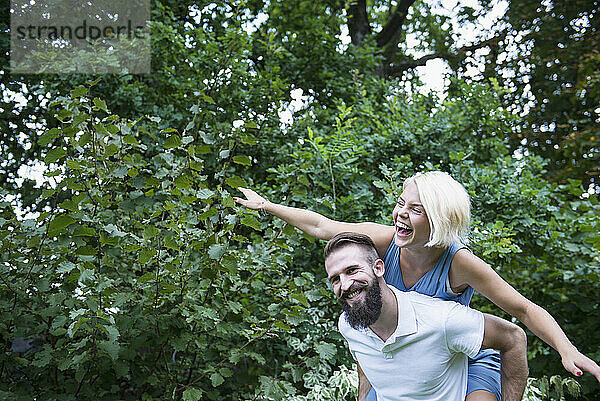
(426,357)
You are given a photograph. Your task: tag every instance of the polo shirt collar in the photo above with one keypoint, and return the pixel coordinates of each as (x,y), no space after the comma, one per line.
(407,322)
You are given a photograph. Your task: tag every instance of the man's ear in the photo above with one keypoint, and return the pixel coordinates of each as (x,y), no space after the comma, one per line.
(379,268)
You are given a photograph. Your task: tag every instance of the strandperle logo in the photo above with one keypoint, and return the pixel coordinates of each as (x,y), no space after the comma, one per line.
(83,31)
(71,36)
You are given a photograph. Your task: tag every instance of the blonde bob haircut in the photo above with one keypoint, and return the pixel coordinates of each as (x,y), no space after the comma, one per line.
(447,205)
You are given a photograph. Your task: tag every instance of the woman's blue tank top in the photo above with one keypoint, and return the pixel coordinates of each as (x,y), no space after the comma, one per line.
(434,283)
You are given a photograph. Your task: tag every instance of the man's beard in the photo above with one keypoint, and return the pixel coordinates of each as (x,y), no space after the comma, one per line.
(367,312)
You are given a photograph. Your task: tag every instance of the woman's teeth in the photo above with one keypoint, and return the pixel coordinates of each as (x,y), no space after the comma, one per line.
(403,229)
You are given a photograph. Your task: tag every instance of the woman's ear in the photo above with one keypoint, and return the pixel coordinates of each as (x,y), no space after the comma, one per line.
(379,268)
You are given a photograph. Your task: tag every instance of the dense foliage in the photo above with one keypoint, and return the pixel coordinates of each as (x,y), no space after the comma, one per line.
(137,277)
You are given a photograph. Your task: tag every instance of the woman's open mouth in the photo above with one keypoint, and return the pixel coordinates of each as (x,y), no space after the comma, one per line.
(403,230)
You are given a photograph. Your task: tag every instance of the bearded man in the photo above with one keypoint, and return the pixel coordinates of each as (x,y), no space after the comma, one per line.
(411,346)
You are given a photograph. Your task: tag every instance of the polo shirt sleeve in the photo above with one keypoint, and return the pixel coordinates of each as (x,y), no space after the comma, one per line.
(464,329)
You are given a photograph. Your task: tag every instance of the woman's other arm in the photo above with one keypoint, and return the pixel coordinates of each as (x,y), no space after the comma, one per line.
(468,269)
(364,386)
(315,224)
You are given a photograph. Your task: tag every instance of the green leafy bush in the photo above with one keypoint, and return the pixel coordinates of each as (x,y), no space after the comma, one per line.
(143,279)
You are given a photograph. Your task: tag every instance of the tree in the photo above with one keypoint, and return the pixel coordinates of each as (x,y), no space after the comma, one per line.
(561,84)
(140,277)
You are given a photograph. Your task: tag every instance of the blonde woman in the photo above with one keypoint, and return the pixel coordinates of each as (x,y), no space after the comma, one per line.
(425,251)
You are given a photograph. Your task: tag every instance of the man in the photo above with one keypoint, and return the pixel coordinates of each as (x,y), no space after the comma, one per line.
(410,346)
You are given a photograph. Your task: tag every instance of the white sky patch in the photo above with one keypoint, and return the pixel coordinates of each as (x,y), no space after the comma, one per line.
(434,72)
(252,25)
(299,100)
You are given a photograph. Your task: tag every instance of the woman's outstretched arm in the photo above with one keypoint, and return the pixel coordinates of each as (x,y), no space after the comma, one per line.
(468,269)
(315,224)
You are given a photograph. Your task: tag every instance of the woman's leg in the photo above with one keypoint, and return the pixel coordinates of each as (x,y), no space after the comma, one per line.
(372,396)
(481,395)
(483,380)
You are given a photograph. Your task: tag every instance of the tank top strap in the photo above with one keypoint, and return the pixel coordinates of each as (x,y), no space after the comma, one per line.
(443,284)
(446,259)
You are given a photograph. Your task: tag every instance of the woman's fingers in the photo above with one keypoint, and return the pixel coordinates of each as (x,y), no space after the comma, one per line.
(252,201)
(580,363)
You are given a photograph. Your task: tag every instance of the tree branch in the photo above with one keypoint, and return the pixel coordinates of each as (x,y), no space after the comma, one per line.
(399,67)
(393,27)
(358,21)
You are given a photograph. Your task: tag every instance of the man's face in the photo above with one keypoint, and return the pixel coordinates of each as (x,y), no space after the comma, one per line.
(355,285)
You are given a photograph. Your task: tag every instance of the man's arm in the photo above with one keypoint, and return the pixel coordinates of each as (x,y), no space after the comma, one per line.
(364,385)
(510,339)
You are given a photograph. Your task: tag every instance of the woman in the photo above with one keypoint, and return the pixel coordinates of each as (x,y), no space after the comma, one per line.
(424,251)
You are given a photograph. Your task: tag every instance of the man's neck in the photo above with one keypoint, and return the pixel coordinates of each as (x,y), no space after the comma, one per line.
(385,326)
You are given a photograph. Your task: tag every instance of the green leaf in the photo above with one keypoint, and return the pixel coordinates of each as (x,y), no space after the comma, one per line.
(111,150)
(148,276)
(65,267)
(216,379)
(205,193)
(146,254)
(150,232)
(58,224)
(230,263)
(86,250)
(251,221)
(130,140)
(192,394)
(113,333)
(49,136)
(241,159)
(182,182)
(271,388)
(79,91)
(111,348)
(300,298)
(281,325)
(54,155)
(42,357)
(85,275)
(215,251)
(73,327)
(236,181)
(173,141)
(326,350)
(81,231)
(114,231)
(100,104)
(288,229)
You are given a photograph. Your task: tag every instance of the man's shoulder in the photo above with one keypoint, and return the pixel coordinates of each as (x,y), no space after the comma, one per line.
(343,325)
(349,333)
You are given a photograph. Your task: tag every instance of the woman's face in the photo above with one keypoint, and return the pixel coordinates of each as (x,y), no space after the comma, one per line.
(410,219)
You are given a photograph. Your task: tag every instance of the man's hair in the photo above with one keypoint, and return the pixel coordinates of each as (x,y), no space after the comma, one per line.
(447,205)
(364,242)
